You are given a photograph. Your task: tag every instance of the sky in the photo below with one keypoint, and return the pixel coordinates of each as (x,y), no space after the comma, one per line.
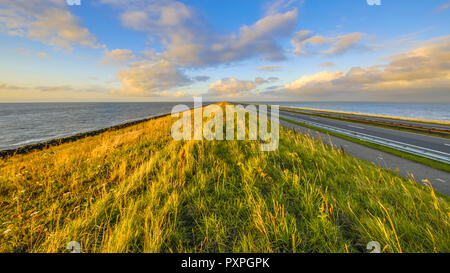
(252,50)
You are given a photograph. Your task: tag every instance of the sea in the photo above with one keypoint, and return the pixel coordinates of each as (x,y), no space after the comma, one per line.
(23,124)
(431,111)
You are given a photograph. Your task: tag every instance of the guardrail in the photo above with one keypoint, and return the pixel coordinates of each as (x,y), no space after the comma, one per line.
(376,121)
(409,148)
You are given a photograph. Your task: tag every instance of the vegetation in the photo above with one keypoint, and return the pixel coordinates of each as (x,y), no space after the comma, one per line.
(137,190)
(425,161)
(410,129)
(372,115)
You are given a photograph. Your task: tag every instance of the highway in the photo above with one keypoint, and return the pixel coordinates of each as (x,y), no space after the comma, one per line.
(439,179)
(426,125)
(439,147)
(420,144)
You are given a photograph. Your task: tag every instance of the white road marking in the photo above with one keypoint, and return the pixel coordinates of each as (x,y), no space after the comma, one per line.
(355,127)
(440,180)
(447,144)
(363,136)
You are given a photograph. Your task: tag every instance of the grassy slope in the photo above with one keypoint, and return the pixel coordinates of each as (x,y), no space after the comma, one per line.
(136,189)
(422,160)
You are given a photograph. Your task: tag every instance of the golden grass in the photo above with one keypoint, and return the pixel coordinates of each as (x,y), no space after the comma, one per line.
(137,190)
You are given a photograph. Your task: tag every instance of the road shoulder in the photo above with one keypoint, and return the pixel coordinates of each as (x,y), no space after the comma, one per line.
(440,180)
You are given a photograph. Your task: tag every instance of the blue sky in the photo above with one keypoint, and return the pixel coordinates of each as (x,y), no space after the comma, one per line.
(148,50)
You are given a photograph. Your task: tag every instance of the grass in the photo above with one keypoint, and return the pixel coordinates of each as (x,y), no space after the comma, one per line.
(137,190)
(377,124)
(419,159)
(373,115)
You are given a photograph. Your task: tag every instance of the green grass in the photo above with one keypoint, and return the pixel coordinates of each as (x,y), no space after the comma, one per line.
(137,190)
(419,159)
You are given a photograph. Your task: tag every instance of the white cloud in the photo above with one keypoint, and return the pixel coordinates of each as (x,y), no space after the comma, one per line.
(421,74)
(443,7)
(304,40)
(269,68)
(117,57)
(9,87)
(134,19)
(277,6)
(148,78)
(257,40)
(326,64)
(320,80)
(231,85)
(47,21)
(43,55)
(172,95)
(29,52)
(61,89)
(344,43)
(188,40)
(232,88)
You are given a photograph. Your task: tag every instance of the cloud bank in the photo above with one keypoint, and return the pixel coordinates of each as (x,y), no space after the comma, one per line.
(421,74)
(47,21)
(304,42)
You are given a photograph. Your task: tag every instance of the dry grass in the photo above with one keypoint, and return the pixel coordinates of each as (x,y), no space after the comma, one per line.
(137,190)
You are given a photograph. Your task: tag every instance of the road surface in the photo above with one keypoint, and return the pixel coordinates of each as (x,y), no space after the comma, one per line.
(440,180)
(432,144)
(443,127)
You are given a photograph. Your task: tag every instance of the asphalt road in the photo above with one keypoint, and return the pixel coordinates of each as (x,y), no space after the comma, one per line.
(440,180)
(388,120)
(438,144)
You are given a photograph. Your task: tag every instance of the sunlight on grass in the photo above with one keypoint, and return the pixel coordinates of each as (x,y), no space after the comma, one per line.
(137,190)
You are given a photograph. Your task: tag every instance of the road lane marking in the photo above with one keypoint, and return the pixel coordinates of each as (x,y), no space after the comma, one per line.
(355,127)
(361,136)
(440,180)
(447,144)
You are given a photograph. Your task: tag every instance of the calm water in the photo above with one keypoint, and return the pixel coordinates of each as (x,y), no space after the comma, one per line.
(434,111)
(28,123)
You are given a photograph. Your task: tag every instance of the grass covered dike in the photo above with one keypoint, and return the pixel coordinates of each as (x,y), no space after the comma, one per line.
(137,190)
